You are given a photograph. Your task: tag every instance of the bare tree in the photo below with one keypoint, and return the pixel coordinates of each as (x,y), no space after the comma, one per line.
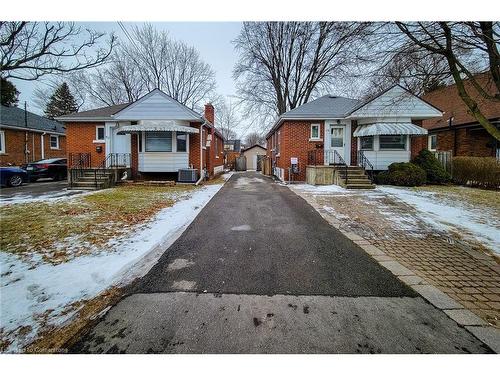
(172,66)
(30,50)
(254,138)
(284,64)
(227,119)
(467,47)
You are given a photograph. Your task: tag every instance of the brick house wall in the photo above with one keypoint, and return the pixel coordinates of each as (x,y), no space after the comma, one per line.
(80,139)
(294,142)
(15,145)
(466,142)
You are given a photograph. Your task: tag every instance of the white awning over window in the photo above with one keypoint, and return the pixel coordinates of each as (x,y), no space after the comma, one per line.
(389,128)
(156,126)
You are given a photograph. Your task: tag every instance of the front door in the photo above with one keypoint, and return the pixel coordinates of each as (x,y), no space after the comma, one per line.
(337,141)
(120,145)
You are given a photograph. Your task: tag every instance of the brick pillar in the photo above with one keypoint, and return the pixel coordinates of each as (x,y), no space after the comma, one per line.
(134,155)
(354,144)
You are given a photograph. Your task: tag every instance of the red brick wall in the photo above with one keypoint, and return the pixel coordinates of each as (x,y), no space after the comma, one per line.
(220,151)
(466,142)
(15,142)
(295,143)
(134,155)
(354,144)
(80,137)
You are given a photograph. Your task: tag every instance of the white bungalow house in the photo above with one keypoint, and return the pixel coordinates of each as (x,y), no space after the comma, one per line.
(337,131)
(154,137)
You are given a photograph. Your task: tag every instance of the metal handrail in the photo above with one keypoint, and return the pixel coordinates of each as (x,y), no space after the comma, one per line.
(113,160)
(363,161)
(341,162)
(77,163)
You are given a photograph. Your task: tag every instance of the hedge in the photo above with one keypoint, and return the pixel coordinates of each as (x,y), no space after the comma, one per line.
(476,171)
(436,174)
(402,174)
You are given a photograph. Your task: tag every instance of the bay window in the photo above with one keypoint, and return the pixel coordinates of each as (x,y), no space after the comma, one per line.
(366,143)
(392,142)
(158,141)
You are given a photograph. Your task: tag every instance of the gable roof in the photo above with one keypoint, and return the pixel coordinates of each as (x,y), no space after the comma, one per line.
(157,105)
(98,113)
(449,101)
(395,101)
(256,145)
(161,107)
(327,106)
(13,116)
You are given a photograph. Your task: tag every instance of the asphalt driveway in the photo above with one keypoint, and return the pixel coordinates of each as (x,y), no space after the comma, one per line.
(259,271)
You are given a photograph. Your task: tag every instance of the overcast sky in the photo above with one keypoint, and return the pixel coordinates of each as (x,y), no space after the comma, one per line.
(211,39)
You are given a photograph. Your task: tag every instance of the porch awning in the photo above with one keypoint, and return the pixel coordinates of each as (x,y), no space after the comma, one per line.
(156,126)
(389,128)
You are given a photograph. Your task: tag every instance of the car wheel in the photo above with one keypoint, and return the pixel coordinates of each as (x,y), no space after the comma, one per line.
(15,180)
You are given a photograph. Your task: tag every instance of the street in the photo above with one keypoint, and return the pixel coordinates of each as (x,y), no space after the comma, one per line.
(259,271)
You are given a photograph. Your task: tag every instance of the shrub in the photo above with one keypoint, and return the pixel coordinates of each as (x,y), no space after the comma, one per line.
(435,172)
(402,174)
(476,171)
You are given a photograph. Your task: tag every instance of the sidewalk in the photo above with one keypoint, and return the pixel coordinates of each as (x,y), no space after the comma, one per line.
(462,270)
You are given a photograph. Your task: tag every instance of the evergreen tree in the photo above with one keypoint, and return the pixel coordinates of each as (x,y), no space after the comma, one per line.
(9,93)
(61,102)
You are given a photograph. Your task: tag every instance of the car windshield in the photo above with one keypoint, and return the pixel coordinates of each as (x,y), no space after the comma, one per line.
(47,161)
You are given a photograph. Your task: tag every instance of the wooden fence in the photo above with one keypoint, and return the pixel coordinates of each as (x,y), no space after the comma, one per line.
(445,159)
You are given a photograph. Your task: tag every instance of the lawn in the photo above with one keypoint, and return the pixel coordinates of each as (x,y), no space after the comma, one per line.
(61,230)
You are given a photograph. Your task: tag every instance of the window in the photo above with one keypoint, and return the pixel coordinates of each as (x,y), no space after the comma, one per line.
(432,142)
(99,133)
(158,141)
(181,142)
(278,142)
(337,138)
(2,142)
(314,131)
(54,142)
(393,142)
(366,143)
(216,140)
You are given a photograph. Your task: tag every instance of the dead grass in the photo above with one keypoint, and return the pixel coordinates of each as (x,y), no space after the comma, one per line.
(477,198)
(61,230)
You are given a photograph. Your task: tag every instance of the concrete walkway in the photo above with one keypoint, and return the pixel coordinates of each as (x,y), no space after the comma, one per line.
(260,271)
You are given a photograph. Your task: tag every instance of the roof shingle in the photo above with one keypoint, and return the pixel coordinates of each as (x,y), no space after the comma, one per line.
(13,116)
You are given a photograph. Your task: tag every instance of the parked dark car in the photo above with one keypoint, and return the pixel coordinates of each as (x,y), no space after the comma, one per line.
(55,168)
(13,176)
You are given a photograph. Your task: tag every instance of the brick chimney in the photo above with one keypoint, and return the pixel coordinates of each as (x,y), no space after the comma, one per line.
(209,113)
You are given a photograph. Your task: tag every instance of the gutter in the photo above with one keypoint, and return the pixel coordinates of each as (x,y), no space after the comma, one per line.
(201,155)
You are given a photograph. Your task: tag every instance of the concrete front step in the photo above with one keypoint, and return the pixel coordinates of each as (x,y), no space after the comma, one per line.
(360,186)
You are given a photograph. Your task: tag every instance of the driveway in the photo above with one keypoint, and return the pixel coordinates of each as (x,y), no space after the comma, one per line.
(45,188)
(259,271)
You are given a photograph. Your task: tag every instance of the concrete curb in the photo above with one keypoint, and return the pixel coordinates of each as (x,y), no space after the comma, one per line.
(488,335)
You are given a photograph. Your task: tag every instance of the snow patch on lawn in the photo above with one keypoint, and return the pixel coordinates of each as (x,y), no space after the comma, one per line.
(451,215)
(57,196)
(27,292)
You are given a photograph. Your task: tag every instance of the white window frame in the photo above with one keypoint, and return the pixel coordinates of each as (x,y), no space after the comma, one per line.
(361,143)
(311,137)
(406,140)
(97,140)
(2,142)
(430,142)
(50,141)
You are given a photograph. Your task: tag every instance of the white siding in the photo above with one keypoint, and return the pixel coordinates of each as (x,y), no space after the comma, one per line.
(397,102)
(163,161)
(381,159)
(157,106)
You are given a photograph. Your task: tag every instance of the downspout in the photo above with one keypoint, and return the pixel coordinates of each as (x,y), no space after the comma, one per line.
(42,140)
(201,155)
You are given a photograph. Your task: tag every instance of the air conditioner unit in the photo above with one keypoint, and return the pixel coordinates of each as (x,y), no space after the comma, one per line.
(187,175)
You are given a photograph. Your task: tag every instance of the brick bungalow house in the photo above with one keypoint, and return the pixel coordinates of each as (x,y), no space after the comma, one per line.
(458,131)
(152,137)
(27,137)
(331,129)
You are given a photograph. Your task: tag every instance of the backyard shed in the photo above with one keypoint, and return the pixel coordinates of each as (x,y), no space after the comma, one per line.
(253,154)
